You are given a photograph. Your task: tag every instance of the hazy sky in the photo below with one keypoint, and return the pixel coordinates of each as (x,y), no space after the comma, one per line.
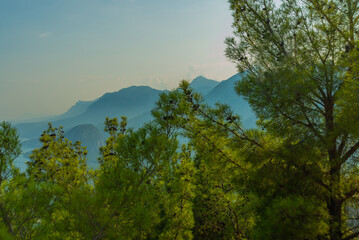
(56,52)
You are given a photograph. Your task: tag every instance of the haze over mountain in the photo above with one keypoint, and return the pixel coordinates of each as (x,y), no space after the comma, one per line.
(85,120)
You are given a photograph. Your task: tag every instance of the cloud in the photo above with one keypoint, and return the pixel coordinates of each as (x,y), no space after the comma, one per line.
(45,34)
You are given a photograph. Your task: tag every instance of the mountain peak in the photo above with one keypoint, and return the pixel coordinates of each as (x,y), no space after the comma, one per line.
(203,85)
(134,87)
(199,78)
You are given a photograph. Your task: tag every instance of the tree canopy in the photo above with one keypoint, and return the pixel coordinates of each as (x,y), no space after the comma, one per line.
(302,82)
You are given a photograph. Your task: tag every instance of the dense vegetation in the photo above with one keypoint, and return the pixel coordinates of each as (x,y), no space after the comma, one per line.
(195,172)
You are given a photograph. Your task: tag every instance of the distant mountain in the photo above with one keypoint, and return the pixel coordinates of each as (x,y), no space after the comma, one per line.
(28,117)
(203,85)
(139,120)
(31,143)
(34,128)
(225,93)
(31,130)
(90,137)
(222,92)
(77,109)
(129,102)
(85,120)
(136,103)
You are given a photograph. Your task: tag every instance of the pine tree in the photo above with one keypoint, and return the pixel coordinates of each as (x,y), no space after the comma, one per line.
(10,149)
(221,206)
(59,170)
(301,79)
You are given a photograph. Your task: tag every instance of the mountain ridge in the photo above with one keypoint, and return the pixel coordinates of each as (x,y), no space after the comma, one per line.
(134,102)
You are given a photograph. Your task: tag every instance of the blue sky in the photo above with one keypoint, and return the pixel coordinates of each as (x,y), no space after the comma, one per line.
(56,52)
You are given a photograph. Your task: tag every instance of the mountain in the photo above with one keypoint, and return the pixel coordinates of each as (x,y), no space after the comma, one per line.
(129,102)
(30,144)
(31,130)
(85,120)
(225,93)
(90,137)
(77,109)
(28,117)
(222,92)
(139,120)
(136,103)
(203,85)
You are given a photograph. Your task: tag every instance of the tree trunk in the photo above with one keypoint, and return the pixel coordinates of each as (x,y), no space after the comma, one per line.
(334,202)
(335,226)
(335,207)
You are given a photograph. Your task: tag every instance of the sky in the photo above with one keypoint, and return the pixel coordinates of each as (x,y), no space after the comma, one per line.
(56,52)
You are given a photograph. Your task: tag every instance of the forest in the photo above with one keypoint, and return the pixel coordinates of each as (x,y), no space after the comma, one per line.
(195,172)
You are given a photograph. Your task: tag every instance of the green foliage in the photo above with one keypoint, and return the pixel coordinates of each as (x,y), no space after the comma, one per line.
(10,149)
(131,185)
(221,206)
(25,205)
(292,218)
(301,80)
(56,172)
(116,131)
(295,177)
(59,161)
(4,233)
(179,200)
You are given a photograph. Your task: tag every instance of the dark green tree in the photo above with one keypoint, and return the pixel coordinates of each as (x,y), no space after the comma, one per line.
(177,197)
(221,205)
(301,79)
(10,149)
(131,179)
(56,172)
